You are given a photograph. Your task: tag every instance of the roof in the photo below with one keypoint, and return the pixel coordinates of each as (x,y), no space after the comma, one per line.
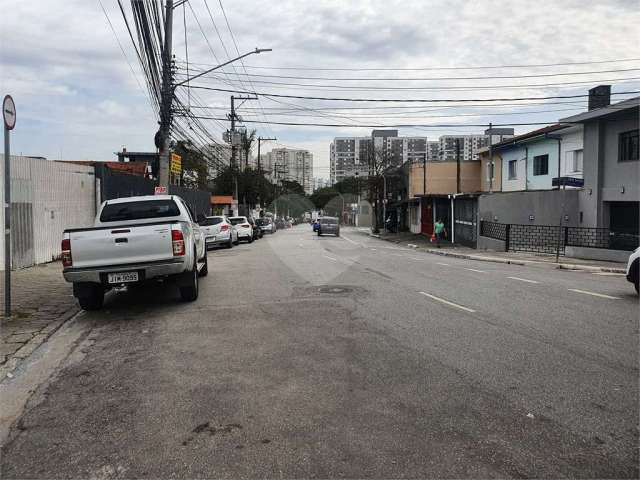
(134,168)
(221,199)
(526,136)
(604,111)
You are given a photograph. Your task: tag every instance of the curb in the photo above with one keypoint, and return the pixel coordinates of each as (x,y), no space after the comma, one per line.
(560,266)
(32,345)
(590,268)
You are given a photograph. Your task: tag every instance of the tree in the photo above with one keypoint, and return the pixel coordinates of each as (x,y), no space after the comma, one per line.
(248,139)
(379,159)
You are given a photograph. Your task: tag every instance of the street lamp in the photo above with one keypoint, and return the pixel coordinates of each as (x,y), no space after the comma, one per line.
(256,51)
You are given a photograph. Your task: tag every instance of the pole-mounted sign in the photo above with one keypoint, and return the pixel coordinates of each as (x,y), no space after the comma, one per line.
(9,117)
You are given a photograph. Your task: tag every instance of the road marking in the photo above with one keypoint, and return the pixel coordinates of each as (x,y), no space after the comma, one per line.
(523,279)
(474,270)
(443,264)
(416,258)
(330,258)
(373,249)
(349,240)
(601,295)
(447,302)
(609,274)
(397,255)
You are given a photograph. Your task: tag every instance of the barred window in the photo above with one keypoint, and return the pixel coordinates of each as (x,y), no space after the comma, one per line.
(628,146)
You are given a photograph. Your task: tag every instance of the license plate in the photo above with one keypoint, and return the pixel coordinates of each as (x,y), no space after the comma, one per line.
(122,277)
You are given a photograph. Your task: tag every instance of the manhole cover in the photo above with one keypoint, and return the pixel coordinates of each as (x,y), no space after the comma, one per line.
(335,290)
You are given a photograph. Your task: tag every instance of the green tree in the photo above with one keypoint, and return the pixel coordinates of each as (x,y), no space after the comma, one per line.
(195,172)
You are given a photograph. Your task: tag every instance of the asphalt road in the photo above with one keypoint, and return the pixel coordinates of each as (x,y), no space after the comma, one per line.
(350,357)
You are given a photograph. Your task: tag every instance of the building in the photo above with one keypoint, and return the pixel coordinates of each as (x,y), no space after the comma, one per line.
(291,165)
(469,145)
(611,168)
(349,156)
(219,157)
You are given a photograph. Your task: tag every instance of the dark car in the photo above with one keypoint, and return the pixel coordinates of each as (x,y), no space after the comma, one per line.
(280,223)
(329,225)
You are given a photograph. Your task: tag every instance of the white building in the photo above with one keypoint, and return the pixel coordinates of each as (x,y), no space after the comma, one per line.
(291,165)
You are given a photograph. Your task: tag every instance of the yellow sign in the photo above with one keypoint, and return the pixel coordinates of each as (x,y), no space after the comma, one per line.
(176,164)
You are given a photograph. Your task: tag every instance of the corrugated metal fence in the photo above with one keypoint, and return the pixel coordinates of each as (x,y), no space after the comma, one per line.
(47,197)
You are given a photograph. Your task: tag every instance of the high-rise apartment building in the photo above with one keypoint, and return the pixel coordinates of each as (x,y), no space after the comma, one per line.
(469,144)
(291,165)
(349,155)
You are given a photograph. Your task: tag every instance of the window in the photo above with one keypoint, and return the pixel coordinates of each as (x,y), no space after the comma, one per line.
(541,165)
(138,210)
(513,169)
(628,146)
(577,161)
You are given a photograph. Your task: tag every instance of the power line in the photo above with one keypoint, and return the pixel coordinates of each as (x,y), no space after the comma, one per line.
(413,79)
(482,67)
(402,100)
(460,88)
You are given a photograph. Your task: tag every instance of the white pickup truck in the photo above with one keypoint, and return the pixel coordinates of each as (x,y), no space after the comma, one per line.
(133,240)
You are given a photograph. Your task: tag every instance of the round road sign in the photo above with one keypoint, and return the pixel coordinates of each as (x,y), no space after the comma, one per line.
(9,112)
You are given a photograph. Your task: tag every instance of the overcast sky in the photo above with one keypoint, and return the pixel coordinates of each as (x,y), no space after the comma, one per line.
(77,97)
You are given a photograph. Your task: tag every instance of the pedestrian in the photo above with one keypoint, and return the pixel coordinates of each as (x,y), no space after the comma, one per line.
(439,231)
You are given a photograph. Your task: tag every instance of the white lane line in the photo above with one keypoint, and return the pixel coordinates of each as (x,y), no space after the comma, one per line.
(416,258)
(609,274)
(443,264)
(397,255)
(330,258)
(601,295)
(523,279)
(447,302)
(349,240)
(474,270)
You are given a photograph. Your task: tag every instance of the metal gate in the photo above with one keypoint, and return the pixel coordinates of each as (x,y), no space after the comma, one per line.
(22,248)
(426,216)
(465,224)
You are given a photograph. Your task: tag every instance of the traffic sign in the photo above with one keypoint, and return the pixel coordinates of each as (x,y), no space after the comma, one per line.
(9,112)
(176,164)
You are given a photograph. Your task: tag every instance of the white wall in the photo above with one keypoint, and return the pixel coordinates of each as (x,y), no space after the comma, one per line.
(572,140)
(62,196)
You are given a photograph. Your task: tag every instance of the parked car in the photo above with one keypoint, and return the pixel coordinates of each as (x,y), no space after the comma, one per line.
(280,223)
(133,240)
(633,268)
(243,228)
(218,230)
(329,225)
(265,225)
(257,232)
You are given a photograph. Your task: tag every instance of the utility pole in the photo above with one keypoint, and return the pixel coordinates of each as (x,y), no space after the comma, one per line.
(167,98)
(491,172)
(233,117)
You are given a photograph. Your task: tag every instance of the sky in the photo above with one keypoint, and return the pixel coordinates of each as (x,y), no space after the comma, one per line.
(80,96)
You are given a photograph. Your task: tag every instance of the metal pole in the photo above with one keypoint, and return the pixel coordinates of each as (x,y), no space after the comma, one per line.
(167,98)
(7,225)
(384,203)
(491,170)
(457,165)
(424,174)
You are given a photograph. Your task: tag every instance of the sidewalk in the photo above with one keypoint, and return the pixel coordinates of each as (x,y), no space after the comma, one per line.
(423,243)
(41,302)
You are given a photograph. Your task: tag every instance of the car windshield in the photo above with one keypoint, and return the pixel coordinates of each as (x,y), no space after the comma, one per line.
(237,220)
(209,221)
(139,210)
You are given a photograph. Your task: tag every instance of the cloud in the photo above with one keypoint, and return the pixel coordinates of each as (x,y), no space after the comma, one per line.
(75,91)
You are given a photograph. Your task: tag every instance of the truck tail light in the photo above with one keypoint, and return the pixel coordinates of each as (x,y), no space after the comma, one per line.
(224,228)
(177,240)
(67,260)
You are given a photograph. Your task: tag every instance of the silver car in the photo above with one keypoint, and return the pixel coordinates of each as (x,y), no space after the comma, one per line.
(329,225)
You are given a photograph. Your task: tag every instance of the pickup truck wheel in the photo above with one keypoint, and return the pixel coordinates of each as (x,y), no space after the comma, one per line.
(251,239)
(204,271)
(92,297)
(230,243)
(189,292)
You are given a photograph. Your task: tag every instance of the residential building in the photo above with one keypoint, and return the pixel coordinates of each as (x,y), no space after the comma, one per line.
(433,151)
(611,167)
(291,165)
(469,145)
(349,155)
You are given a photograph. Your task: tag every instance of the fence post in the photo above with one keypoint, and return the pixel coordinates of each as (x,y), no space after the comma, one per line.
(507,237)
